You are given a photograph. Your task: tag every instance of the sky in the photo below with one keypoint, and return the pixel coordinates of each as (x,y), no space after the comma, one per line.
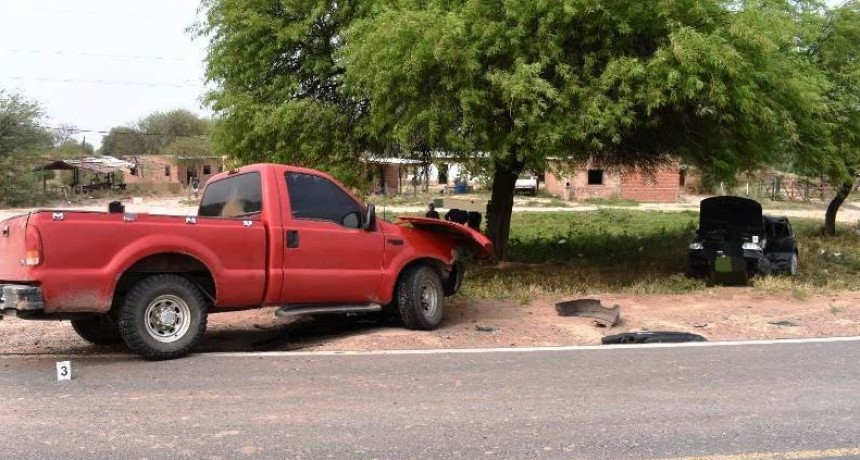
(96,64)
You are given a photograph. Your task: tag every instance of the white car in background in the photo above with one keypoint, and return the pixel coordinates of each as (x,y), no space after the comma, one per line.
(526,183)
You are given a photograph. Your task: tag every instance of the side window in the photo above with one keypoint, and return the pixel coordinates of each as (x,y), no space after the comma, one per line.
(235,196)
(317,198)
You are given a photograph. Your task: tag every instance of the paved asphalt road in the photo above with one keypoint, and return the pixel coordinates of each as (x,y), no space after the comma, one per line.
(787,400)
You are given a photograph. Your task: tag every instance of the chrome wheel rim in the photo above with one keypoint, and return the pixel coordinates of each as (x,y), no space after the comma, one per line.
(167,318)
(429,298)
(793,264)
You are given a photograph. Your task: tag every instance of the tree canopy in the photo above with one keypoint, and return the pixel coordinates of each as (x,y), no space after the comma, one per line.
(22,135)
(20,125)
(155,132)
(724,85)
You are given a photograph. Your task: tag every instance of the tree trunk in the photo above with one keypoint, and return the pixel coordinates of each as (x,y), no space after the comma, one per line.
(833,207)
(501,205)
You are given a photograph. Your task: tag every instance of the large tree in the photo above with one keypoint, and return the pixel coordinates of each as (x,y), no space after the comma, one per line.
(720,84)
(626,82)
(835,49)
(279,89)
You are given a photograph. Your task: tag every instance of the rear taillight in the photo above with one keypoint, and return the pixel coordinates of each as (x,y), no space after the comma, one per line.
(32,246)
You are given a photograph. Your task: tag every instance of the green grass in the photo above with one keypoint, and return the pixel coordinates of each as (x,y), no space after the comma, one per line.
(542,200)
(636,252)
(613,201)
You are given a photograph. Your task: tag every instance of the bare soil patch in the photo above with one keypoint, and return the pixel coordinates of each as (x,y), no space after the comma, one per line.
(719,314)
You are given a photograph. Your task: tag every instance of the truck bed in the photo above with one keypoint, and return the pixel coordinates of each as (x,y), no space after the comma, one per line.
(85,255)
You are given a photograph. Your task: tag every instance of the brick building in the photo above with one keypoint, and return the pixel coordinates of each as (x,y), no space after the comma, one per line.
(590,181)
(164,169)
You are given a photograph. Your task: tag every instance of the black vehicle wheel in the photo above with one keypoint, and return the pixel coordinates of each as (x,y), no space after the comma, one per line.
(98,330)
(420,298)
(163,317)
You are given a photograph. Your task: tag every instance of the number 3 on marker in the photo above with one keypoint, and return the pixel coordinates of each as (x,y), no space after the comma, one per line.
(64,370)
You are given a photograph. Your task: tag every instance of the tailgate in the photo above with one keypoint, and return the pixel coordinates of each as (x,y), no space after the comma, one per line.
(481,244)
(12,247)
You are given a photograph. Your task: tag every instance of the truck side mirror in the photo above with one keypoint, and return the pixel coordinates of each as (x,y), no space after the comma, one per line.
(370,218)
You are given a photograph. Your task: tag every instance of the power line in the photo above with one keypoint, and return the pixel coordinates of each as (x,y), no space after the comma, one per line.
(129,132)
(102,12)
(105,55)
(108,82)
(125,131)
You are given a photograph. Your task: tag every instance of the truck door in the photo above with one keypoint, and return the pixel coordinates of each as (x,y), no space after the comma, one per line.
(328,256)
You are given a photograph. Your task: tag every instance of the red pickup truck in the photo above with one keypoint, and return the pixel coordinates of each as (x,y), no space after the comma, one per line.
(264,235)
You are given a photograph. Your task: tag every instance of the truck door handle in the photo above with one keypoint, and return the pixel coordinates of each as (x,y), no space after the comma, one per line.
(292,239)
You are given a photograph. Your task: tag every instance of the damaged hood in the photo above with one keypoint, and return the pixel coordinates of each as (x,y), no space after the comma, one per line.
(731,214)
(482,245)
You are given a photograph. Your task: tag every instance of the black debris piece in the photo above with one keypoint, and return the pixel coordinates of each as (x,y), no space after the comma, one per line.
(116,207)
(457,215)
(784,323)
(652,337)
(480,328)
(590,308)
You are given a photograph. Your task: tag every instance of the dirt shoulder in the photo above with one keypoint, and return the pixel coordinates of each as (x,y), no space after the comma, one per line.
(718,314)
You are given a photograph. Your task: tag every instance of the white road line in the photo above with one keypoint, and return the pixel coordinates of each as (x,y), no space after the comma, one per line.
(455,351)
(795,455)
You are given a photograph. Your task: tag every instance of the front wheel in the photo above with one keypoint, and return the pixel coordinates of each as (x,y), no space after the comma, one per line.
(163,317)
(420,298)
(98,330)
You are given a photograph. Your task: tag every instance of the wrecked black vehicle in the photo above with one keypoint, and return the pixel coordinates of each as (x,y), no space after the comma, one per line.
(735,241)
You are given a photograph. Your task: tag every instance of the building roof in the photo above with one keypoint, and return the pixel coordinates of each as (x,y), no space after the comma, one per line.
(105,164)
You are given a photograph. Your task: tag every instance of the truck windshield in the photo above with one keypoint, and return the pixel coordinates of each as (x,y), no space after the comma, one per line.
(236,196)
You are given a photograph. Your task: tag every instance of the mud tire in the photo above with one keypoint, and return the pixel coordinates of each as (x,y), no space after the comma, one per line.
(163,317)
(420,298)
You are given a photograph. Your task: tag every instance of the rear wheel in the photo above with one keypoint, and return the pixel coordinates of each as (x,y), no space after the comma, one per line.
(793,265)
(163,317)
(98,330)
(420,298)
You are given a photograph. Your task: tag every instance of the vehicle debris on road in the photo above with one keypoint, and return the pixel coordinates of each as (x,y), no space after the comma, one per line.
(590,308)
(652,337)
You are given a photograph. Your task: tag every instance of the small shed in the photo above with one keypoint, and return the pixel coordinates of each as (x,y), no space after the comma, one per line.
(102,166)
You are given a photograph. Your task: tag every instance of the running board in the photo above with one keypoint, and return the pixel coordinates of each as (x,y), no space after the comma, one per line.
(295,310)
